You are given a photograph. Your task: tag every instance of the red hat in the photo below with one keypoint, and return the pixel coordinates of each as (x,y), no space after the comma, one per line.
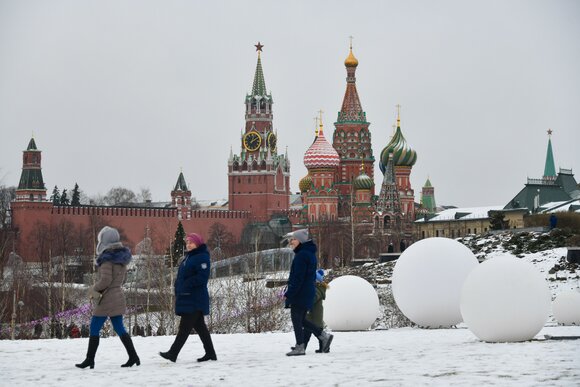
(195,238)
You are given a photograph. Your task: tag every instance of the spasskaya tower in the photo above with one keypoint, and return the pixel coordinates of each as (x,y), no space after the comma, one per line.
(259,177)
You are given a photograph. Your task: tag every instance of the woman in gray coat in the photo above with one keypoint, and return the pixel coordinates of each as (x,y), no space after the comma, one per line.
(110,300)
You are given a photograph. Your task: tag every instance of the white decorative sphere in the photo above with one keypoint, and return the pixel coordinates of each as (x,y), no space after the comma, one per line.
(351,304)
(505,299)
(566,308)
(427,281)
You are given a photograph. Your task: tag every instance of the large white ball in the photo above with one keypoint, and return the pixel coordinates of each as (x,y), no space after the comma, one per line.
(427,281)
(351,304)
(566,308)
(505,299)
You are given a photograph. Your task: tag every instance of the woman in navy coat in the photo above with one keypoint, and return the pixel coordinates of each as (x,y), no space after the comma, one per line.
(301,291)
(192,298)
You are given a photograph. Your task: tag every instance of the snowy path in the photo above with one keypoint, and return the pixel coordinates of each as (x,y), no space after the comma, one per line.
(408,357)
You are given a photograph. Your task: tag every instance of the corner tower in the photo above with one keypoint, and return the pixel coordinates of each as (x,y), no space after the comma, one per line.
(31,186)
(259,177)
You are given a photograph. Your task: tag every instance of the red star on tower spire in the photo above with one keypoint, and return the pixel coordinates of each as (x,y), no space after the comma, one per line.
(258,46)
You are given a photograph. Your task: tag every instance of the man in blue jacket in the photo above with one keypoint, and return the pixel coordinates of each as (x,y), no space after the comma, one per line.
(301,289)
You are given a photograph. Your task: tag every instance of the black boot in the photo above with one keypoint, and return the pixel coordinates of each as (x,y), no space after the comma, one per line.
(133,358)
(182,334)
(320,347)
(205,338)
(90,360)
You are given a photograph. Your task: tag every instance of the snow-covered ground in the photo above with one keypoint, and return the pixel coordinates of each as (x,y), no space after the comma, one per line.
(396,357)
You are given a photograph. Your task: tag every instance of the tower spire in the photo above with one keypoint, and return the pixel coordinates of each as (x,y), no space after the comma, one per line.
(259,85)
(549,167)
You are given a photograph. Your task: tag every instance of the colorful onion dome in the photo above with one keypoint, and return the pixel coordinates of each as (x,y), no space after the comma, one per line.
(403,154)
(363,181)
(305,183)
(321,154)
(350,60)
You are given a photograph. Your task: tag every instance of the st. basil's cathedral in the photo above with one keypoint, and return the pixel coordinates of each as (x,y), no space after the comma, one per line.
(338,193)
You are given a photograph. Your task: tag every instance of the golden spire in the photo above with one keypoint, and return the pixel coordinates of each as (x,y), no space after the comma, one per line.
(362,166)
(398,115)
(320,131)
(350,60)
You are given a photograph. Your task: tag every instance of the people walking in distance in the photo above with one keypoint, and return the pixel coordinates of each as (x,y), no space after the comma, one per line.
(109,300)
(300,292)
(192,298)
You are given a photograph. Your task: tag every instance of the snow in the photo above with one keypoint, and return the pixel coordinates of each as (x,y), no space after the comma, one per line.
(396,357)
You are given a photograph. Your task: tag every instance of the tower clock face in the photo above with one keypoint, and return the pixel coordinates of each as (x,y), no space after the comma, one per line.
(252,141)
(272,141)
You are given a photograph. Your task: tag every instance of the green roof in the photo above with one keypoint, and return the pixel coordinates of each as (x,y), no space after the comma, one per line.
(546,193)
(259,86)
(180,185)
(32,145)
(31,178)
(549,168)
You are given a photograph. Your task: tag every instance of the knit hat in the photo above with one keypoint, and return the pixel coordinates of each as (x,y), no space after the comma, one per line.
(300,235)
(319,275)
(108,238)
(195,238)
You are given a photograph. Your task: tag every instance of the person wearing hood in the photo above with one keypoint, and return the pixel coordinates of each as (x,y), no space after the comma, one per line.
(192,298)
(300,292)
(112,261)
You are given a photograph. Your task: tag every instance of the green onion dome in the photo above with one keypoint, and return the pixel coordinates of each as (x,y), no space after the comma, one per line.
(403,154)
(363,181)
(305,183)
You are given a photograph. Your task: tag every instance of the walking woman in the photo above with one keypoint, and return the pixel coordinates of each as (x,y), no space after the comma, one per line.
(192,298)
(112,262)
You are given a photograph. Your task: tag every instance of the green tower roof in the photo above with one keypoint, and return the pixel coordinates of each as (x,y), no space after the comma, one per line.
(549,168)
(32,145)
(180,185)
(259,86)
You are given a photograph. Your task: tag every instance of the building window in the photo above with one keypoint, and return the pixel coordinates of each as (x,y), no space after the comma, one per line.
(422,234)
(436,233)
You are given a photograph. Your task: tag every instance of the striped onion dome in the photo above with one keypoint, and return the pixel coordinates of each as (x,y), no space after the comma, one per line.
(403,154)
(305,183)
(363,181)
(321,154)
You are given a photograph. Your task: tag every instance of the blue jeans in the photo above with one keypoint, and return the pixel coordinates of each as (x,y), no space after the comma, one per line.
(97,323)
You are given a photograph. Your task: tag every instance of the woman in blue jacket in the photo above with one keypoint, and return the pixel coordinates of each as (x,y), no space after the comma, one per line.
(301,291)
(192,298)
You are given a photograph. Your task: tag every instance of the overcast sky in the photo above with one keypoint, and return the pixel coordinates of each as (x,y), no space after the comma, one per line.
(126,93)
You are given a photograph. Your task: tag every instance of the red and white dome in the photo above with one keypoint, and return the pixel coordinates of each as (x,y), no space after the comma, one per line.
(321,154)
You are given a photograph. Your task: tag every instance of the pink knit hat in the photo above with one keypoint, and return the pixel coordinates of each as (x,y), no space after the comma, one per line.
(195,238)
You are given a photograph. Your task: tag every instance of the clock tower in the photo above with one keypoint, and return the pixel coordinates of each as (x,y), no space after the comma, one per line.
(259,177)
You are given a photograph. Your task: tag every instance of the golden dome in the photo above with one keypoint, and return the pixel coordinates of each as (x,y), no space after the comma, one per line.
(350,60)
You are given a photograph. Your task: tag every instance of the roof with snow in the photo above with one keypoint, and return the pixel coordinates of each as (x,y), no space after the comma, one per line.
(467,213)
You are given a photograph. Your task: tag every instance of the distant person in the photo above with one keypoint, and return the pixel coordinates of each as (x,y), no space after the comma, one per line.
(192,298)
(553,221)
(391,248)
(316,314)
(37,330)
(75,332)
(301,290)
(112,264)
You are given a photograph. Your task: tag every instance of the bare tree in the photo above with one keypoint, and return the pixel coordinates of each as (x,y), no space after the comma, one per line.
(118,195)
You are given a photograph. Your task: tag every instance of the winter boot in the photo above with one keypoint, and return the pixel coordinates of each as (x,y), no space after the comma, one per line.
(320,347)
(297,351)
(325,339)
(90,360)
(179,342)
(207,357)
(168,355)
(133,358)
